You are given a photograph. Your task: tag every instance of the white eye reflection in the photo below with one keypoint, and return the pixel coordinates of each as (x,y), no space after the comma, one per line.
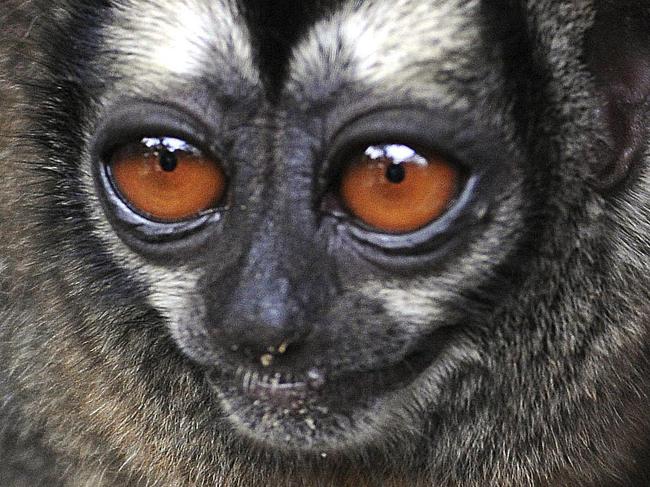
(397,153)
(169,143)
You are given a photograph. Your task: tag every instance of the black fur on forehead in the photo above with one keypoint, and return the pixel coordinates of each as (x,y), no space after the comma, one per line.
(275,28)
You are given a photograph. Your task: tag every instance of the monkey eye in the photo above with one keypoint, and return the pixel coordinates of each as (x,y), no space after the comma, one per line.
(393,188)
(166,179)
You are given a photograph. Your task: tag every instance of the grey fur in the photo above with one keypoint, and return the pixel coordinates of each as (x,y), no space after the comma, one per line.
(107,350)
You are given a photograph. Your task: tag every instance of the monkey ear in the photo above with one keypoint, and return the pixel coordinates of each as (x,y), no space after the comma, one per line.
(618,53)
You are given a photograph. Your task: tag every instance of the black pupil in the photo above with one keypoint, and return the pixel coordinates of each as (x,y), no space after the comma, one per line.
(168,161)
(395,173)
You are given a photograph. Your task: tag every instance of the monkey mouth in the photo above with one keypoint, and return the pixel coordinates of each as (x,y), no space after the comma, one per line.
(313,409)
(283,390)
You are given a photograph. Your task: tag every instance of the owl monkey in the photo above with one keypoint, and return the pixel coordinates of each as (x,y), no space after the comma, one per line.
(363,242)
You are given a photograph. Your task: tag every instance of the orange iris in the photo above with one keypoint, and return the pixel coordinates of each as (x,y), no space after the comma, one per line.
(167,179)
(394,189)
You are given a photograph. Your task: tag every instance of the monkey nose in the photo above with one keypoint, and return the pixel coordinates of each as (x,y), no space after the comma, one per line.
(263,320)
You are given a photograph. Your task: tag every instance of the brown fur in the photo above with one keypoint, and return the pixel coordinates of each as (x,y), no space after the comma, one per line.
(125,408)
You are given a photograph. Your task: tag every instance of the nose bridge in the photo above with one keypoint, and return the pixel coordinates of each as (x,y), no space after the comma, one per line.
(275,291)
(264,290)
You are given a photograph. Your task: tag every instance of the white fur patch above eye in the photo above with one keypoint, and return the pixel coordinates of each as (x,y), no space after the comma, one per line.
(401,44)
(182,44)
(392,38)
(180,37)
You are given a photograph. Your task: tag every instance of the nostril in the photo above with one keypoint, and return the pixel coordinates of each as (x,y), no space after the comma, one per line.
(286,347)
(280,353)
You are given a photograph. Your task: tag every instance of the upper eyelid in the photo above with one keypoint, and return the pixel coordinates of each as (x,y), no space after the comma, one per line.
(129,121)
(173,144)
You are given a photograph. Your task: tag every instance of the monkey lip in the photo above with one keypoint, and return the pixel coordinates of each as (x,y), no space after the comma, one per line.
(319,408)
(347,390)
(277,405)
(282,390)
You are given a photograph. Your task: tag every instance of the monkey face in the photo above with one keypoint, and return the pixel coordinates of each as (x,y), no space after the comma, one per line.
(409,233)
(319,290)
